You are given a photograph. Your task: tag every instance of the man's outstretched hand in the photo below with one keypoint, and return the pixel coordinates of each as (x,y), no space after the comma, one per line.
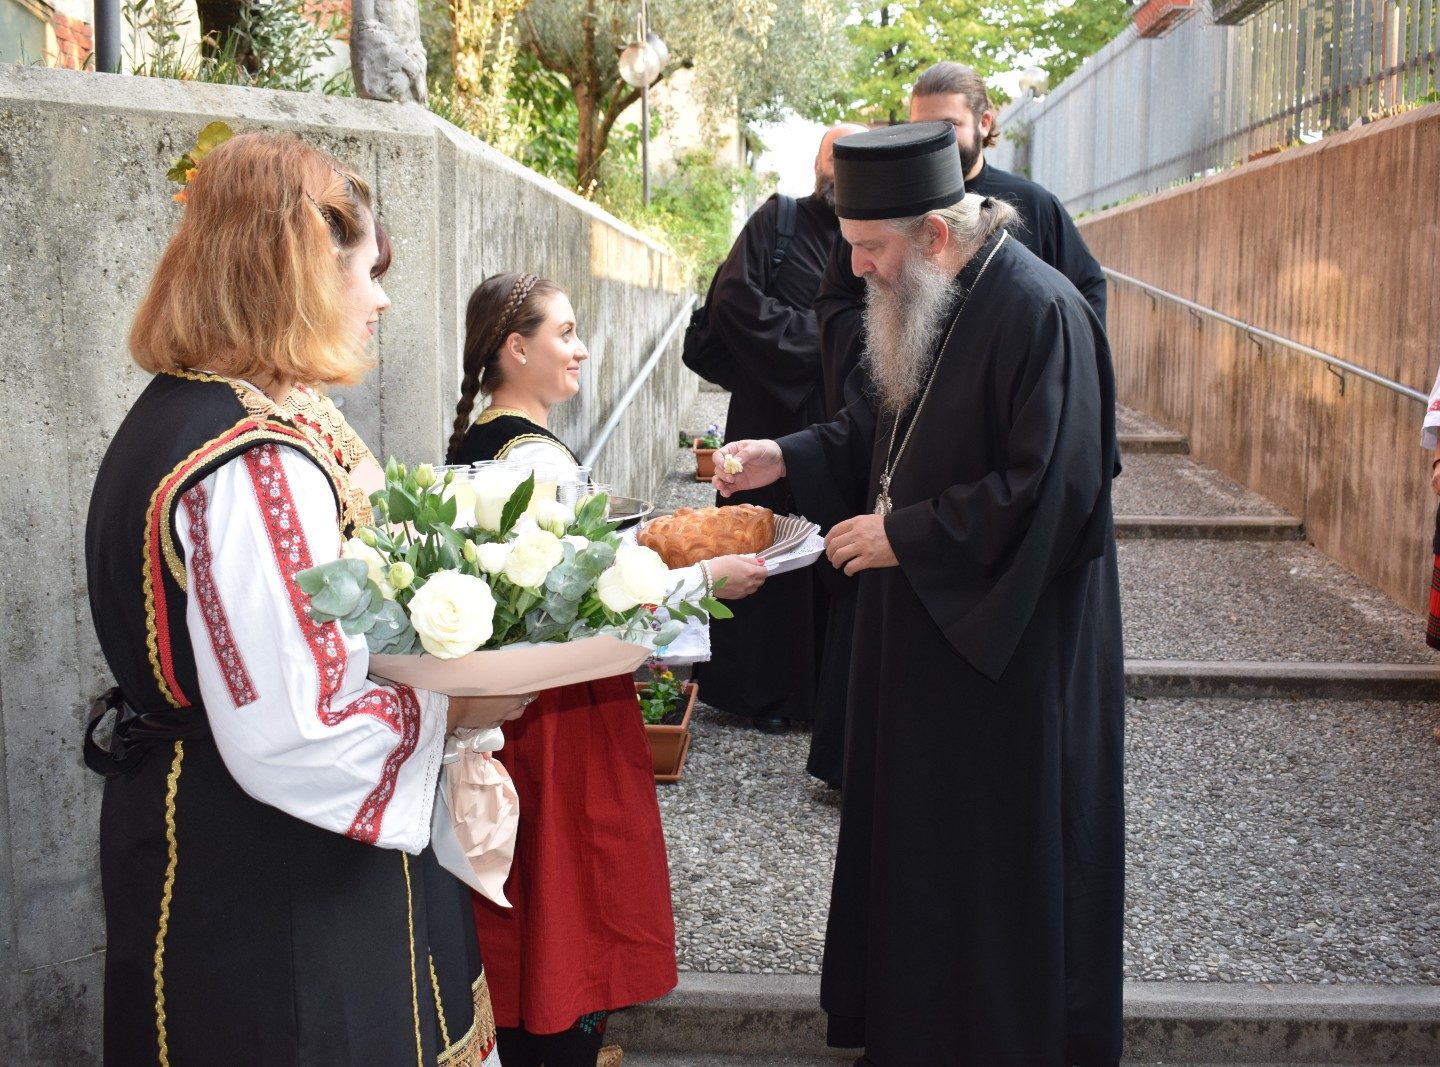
(743,465)
(860,544)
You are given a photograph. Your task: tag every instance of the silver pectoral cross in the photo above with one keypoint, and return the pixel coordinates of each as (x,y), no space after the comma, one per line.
(882,501)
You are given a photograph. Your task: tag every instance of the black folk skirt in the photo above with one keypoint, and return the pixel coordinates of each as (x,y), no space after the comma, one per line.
(238,934)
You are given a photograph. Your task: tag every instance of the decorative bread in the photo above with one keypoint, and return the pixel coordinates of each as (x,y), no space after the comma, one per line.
(691,534)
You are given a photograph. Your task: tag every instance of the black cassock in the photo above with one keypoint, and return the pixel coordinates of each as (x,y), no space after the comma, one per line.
(764,662)
(1046,229)
(976,914)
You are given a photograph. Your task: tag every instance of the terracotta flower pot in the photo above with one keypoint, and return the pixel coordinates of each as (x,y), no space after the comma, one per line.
(669,745)
(704,461)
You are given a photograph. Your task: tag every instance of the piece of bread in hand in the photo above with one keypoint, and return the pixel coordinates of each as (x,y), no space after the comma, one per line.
(693,534)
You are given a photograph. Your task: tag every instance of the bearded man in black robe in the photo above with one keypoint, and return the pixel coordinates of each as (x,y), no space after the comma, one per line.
(764,665)
(953,93)
(976,913)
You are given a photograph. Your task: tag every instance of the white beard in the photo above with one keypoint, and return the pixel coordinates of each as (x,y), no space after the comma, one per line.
(903,323)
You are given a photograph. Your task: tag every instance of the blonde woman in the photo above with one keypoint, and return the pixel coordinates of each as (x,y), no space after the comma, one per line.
(270,893)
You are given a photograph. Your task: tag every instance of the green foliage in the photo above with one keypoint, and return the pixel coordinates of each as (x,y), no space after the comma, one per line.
(692,205)
(275,45)
(895,42)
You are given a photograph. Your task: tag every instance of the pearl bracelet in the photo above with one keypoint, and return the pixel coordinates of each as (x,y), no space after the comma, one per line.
(709,582)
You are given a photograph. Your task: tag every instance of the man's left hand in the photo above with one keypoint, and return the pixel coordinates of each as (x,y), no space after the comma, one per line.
(860,544)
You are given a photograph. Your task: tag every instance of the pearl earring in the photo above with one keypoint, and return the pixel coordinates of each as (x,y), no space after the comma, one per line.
(523,360)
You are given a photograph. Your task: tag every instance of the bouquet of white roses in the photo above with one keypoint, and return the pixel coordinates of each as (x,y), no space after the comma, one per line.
(457,566)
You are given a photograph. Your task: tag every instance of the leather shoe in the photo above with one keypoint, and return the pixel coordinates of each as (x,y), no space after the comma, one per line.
(771,724)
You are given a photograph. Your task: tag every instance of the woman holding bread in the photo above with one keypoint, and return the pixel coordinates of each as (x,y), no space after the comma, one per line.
(591,929)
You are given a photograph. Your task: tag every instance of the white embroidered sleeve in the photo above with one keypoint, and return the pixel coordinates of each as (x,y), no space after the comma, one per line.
(1430,429)
(297,721)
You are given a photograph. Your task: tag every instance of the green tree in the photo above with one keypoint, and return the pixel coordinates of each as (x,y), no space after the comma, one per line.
(895,42)
(757,56)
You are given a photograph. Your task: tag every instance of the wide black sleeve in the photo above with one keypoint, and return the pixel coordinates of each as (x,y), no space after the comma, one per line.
(1071,256)
(838,307)
(982,554)
(827,465)
(776,346)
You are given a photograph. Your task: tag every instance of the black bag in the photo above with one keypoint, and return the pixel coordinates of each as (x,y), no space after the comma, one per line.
(702,350)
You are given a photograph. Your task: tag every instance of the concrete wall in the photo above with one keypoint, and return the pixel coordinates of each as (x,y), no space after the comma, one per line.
(84,213)
(1334,246)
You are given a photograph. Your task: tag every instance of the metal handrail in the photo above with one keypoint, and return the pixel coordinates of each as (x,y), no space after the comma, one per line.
(640,379)
(1255,333)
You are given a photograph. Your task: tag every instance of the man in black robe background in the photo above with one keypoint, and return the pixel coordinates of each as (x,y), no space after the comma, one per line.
(976,914)
(953,93)
(763,664)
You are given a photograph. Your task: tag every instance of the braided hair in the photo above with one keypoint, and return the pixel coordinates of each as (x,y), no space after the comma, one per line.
(501,305)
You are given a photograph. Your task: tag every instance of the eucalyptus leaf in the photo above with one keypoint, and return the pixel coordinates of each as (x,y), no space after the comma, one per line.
(668,632)
(562,609)
(716,609)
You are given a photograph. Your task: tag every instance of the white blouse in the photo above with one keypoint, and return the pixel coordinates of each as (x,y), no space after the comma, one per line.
(1430,429)
(294,716)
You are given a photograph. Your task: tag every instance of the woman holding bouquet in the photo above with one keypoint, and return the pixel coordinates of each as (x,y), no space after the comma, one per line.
(270,893)
(591,929)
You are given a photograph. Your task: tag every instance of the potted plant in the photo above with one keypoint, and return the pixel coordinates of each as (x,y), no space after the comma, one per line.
(704,446)
(666,706)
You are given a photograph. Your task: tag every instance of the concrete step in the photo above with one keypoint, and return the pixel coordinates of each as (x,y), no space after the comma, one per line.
(1209,527)
(1154,444)
(1260,680)
(720,1019)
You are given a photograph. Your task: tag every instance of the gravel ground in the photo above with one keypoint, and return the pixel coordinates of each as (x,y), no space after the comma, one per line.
(1268,840)
(1215,600)
(1177,485)
(1129,420)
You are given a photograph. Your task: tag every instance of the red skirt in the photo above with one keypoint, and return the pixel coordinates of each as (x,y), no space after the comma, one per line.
(591,928)
(1432,624)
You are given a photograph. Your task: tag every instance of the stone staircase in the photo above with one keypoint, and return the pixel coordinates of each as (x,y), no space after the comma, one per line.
(1283,901)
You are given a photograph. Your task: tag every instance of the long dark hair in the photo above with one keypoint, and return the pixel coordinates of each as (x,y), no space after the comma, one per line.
(500,305)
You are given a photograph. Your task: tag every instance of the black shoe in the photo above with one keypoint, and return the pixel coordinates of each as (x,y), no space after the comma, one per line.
(771,724)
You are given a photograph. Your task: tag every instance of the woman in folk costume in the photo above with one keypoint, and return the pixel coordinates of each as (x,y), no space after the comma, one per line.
(591,929)
(270,891)
(1430,440)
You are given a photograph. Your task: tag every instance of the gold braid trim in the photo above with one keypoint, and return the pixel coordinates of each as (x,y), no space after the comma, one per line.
(475,1045)
(492,413)
(439,1004)
(414,984)
(524,437)
(172,785)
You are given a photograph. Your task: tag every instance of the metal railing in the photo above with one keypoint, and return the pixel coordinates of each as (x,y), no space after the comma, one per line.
(1143,114)
(647,369)
(1338,365)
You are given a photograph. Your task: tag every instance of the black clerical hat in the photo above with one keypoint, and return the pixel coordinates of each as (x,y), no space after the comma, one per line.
(897,172)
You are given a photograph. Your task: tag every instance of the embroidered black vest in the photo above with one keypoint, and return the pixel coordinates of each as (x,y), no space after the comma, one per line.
(182,427)
(493,436)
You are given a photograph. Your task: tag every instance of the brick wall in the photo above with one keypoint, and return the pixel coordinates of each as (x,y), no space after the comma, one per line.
(75,41)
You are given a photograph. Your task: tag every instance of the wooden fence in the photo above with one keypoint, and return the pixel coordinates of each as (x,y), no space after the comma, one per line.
(1336,246)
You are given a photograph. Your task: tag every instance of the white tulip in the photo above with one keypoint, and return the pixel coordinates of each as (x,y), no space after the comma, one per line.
(463,493)
(376,566)
(638,576)
(532,556)
(553,516)
(453,614)
(493,487)
(492,557)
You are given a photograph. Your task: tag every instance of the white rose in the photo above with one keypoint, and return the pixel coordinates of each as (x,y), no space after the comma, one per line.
(463,493)
(532,555)
(453,613)
(493,487)
(638,576)
(553,516)
(375,564)
(492,557)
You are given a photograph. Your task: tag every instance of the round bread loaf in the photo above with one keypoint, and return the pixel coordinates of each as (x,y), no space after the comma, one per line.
(693,534)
